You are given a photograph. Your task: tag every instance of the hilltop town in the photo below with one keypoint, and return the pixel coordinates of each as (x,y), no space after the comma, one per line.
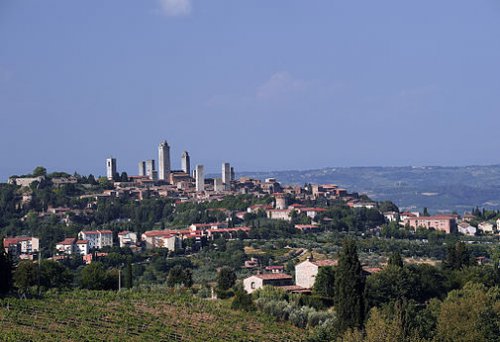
(254,242)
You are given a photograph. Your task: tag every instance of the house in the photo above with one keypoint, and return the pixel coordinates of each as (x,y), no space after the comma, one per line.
(207,226)
(279,214)
(391,216)
(466,229)
(258,281)
(71,246)
(404,216)
(311,212)
(127,239)
(486,227)
(97,238)
(161,239)
(306,271)
(82,247)
(445,223)
(20,246)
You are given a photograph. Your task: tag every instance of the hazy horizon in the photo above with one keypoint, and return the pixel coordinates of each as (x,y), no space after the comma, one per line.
(282,85)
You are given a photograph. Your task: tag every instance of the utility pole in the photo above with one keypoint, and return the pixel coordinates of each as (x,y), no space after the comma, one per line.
(120,277)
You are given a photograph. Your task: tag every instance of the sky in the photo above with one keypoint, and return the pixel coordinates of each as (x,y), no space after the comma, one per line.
(264,85)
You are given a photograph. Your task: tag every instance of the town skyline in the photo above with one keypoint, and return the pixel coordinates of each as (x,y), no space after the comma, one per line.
(383,84)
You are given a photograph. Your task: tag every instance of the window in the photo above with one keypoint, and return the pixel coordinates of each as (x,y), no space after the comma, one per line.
(252,285)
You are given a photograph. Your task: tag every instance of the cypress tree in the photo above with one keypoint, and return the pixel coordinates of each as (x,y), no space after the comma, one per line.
(128,275)
(396,260)
(5,272)
(349,287)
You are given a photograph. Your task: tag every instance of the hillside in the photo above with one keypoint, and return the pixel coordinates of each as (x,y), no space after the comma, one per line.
(158,315)
(435,187)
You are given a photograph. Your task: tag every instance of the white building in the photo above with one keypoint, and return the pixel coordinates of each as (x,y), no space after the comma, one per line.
(111,168)
(67,246)
(161,239)
(164,161)
(127,238)
(391,216)
(97,238)
(306,272)
(82,247)
(207,226)
(71,246)
(258,281)
(466,229)
(200,178)
(21,245)
(186,162)
(486,227)
(279,214)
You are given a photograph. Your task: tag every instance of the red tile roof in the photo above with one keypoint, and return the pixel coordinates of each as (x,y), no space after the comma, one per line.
(14,240)
(67,241)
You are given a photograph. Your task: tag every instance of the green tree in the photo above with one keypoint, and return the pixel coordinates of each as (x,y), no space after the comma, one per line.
(39,171)
(226,278)
(179,275)
(25,276)
(129,278)
(470,314)
(324,285)
(96,277)
(349,288)
(5,272)
(395,260)
(54,275)
(242,300)
(458,256)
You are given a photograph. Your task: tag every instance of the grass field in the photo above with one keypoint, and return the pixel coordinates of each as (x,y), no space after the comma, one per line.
(154,315)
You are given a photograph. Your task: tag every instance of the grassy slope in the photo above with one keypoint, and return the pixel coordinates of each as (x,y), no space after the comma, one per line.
(157,315)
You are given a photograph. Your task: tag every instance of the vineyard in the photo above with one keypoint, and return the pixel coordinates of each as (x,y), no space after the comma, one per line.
(154,315)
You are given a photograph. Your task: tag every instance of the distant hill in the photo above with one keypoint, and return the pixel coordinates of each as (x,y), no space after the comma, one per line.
(435,187)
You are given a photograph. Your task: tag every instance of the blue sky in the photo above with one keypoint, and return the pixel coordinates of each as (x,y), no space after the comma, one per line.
(265,85)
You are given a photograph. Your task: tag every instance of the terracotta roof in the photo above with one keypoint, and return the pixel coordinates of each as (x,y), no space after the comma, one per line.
(81,242)
(14,240)
(158,233)
(67,241)
(273,276)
